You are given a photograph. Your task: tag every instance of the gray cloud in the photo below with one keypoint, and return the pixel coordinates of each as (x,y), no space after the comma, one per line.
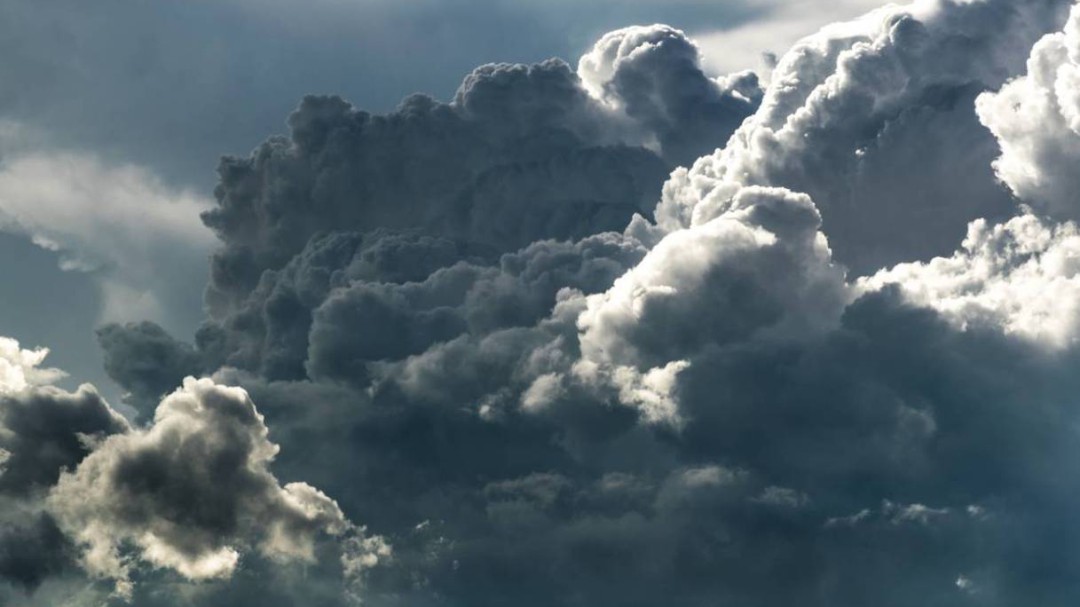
(47,430)
(447,331)
(147,361)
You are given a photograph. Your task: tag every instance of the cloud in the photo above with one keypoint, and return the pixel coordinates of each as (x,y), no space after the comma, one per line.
(20,368)
(43,431)
(147,361)
(190,493)
(119,222)
(1018,277)
(871,118)
(462,322)
(654,75)
(708,402)
(1036,119)
(47,430)
(523,153)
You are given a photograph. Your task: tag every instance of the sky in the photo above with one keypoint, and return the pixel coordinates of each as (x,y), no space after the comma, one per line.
(490,302)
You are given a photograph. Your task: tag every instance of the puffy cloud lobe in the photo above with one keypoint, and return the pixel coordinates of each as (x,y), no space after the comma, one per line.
(752,268)
(653,74)
(761,270)
(1020,277)
(1036,119)
(849,117)
(45,430)
(190,493)
(147,361)
(21,368)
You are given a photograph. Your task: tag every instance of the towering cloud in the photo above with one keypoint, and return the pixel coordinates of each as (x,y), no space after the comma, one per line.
(793,382)
(874,119)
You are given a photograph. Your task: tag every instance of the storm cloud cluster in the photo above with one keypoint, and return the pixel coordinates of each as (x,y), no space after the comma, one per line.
(542,345)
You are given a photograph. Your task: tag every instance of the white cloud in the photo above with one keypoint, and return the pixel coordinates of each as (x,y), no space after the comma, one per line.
(119,221)
(1036,119)
(21,368)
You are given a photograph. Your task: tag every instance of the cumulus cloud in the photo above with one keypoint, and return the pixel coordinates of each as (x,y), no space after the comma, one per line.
(654,76)
(1020,277)
(47,430)
(80,488)
(43,431)
(1036,119)
(782,386)
(873,119)
(522,153)
(190,492)
(21,368)
(147,361)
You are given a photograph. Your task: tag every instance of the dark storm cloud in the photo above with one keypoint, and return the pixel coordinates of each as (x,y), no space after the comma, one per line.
(147,361)
(47,430)
(32,550)
(523,153)
(448,333)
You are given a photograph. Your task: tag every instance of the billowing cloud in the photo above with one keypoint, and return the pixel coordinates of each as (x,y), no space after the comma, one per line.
(1020,277)
(21,368)
(147,361)
(465,322)
(81,488)
(874,120)
(43,431)
(190,492)
(653,75)
(1036,119)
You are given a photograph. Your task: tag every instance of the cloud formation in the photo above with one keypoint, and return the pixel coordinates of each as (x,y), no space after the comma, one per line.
(1036,119)
(465,323)
(873,119)
(190,492)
